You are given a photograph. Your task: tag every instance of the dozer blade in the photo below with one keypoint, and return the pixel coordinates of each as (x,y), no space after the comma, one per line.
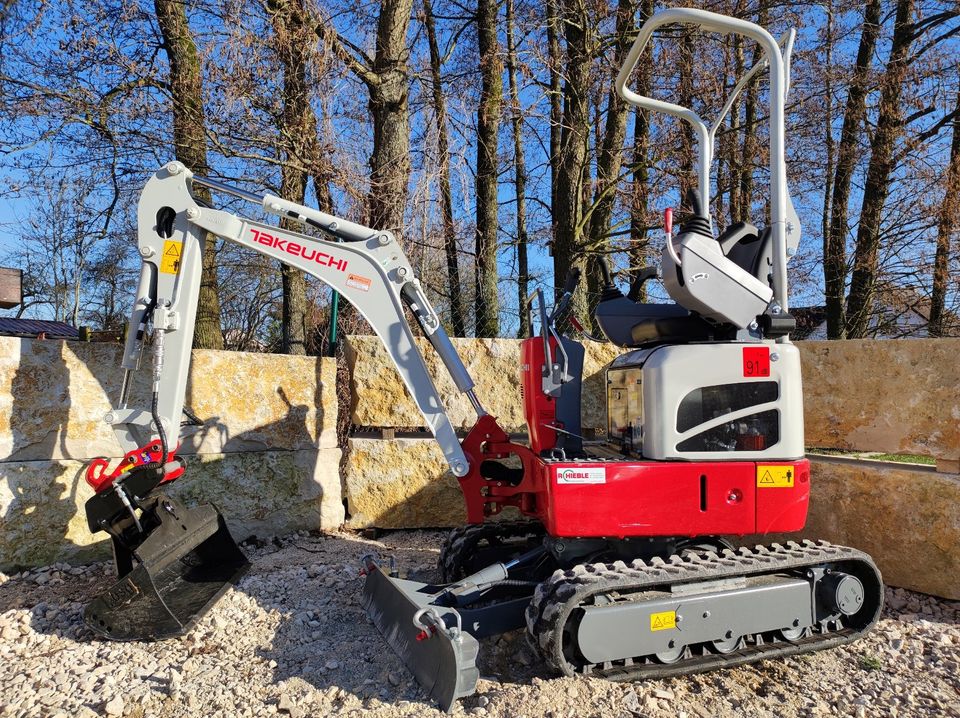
(435,649)
(185,563)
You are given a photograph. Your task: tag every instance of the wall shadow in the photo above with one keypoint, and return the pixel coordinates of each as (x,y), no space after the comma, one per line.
(37,510)
(39,480)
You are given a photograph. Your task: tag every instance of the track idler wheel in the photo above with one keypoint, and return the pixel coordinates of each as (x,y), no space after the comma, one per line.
(840,593)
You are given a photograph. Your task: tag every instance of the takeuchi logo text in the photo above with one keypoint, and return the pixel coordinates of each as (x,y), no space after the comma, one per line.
(298,250)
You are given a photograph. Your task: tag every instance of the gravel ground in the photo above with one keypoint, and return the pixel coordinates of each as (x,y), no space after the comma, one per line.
(291,639)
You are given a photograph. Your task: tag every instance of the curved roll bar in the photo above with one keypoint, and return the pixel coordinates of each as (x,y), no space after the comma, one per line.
(782,215)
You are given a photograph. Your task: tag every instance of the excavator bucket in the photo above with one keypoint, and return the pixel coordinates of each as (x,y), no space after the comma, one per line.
(429,639)
(169,579)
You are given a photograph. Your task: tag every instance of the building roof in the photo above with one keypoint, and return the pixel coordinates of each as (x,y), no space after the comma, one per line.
(10,327)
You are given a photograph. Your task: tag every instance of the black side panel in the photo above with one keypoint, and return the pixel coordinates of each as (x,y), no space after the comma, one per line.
(568,403)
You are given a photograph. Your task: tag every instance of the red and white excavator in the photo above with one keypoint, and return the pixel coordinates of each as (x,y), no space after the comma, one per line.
(620,568)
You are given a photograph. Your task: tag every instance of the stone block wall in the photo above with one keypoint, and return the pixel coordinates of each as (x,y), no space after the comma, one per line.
(266,453)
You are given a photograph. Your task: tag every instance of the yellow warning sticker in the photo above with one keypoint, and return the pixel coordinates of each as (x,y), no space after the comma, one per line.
(663,620)
(170,261)
(774,477)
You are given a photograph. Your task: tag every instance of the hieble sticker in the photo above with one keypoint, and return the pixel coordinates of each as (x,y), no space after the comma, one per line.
(355,281)
(582,475)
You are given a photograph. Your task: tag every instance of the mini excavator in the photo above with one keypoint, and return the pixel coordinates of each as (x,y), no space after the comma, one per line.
(618,567)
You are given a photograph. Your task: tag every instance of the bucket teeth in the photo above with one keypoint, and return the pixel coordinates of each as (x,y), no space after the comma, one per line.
(440,656)
(171,578)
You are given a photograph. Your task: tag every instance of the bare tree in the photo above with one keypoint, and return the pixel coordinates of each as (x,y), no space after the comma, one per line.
(520,174)
(555,95)
(387,80)
(640,182)
(610,152)
(835,242)
(487,299)
(458,314)
(948,222)
(573,160)
(298,142)
(877,187)
(190,147)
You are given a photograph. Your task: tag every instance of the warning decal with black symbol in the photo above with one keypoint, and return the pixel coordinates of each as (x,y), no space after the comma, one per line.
(774,477)
(170,261)
(663,620)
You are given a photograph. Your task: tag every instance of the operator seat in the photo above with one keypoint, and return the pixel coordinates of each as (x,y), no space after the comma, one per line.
(629,323)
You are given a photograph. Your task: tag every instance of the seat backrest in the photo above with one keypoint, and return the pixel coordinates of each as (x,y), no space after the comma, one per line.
(754,254)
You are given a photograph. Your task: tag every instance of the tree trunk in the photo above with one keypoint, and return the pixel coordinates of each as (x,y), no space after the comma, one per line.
(640,195)
(520,176)
(487,299)
(828,125)
(457,309)
(947,224)
(574,142)
(609,156)
(877,187)
(389,85)
(835,242)
(688,146)
(190,148)
(556,105)
(298,141)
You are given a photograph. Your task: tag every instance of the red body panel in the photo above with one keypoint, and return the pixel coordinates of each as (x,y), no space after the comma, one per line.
(642,498)
(653,499)
(784,509)
(660,498)
(539,409)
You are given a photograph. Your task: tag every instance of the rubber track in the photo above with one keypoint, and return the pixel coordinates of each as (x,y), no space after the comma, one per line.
(556,598)
(463,540)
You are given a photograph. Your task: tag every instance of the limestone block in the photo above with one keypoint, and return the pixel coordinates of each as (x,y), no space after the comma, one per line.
(54,395)
(41,503)
(264,493)
(270,492)
(381,400)
(908,519)
(251,402)
(400,483)
(890,395)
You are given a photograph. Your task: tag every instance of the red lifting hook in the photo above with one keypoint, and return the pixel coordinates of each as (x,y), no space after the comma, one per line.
(99,480)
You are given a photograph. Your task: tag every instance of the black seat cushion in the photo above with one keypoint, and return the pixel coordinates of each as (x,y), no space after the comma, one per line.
(635,324)
(659,330)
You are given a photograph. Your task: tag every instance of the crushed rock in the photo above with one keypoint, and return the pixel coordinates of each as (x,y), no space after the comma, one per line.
(292,640)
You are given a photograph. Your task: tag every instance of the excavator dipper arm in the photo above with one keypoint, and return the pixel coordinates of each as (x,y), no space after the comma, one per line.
(366,266)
